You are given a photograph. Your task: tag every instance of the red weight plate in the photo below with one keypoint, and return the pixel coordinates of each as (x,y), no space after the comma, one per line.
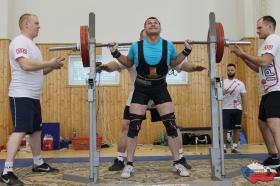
(84,47)
(220,42)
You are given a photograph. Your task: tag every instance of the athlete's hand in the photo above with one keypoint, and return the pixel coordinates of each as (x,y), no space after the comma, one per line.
(113,46)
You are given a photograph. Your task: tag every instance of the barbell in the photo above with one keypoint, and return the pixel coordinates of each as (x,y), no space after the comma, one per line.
(83,46)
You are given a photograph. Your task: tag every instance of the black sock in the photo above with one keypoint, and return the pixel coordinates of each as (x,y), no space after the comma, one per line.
(129,163)
(183,159)
(175,162)
(272,155)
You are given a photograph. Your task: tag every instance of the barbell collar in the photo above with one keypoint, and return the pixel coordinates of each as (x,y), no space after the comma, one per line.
(74,47)
(232,42)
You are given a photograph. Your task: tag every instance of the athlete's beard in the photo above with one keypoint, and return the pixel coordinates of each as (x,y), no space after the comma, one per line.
(231,76)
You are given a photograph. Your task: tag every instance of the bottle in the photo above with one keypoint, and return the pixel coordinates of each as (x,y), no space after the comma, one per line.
(45,142)
(74,133)
(48,142)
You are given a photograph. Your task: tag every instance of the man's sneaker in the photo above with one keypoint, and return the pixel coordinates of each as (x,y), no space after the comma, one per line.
(183,161)
(117,166)
(235,151)
(127,171)
(10,179)
(181,170)
(44,168)
(271,162)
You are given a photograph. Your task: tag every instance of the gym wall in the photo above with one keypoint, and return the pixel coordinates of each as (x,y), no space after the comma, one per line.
(68,105)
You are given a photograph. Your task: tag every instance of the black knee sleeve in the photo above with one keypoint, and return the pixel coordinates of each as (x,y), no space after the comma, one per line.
(134,125)
(170,124)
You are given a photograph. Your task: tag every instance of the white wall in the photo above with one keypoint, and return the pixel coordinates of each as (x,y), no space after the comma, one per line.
(254,9)
(274,8)
(121,20)
(3,18)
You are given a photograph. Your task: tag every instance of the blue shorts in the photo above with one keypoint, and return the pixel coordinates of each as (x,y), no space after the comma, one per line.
(232,119)
(26,114)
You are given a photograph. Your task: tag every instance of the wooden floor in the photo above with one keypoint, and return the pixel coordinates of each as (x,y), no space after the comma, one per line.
(142,150)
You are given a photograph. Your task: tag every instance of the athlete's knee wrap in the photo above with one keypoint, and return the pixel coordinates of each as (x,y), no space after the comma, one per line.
(135,125)
(170,124)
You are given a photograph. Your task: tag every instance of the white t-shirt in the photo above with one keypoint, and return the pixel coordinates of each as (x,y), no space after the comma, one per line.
(24,83)
(132,73)
(232,98)
(270,75)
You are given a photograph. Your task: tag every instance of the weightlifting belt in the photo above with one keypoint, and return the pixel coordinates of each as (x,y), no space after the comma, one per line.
(150,82)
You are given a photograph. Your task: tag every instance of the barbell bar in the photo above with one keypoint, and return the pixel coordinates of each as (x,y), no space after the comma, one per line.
(76,47)
(83,46)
